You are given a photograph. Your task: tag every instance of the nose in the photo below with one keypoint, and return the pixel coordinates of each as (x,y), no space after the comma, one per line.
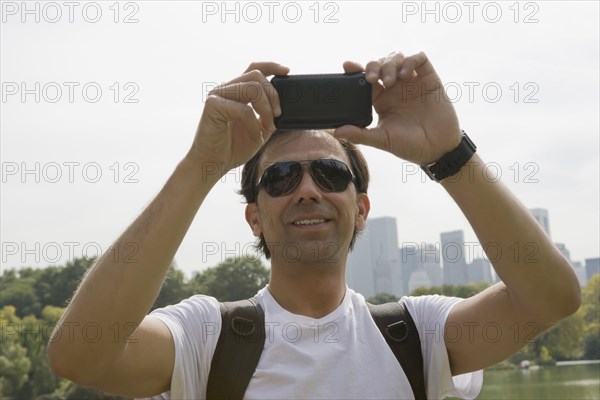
(307,189)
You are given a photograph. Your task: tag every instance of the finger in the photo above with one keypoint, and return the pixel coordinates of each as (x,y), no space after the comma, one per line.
(375,137)
(221,111)
(259,76)
(352,66)
(372,71)
(390,68)
(268,68)
(249,92)
(417,64)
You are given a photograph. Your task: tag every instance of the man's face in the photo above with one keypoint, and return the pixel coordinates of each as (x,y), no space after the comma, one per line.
(283,220)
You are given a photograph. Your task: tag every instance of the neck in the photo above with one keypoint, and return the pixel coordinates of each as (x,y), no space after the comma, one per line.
(308,289)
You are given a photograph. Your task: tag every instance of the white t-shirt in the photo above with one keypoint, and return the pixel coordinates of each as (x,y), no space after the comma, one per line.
(340,356)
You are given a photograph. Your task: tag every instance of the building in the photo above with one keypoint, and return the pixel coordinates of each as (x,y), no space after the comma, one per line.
(541,216)
(564,251)
(420,266)
(453,256)
(374,264)
(480,270)
(409,263)
(580,272)
(429,256)
(592,267)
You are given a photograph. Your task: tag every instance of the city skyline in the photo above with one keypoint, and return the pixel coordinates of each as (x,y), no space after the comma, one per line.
(450,261)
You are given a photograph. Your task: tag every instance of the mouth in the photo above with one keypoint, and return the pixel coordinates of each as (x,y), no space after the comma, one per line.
(310,222)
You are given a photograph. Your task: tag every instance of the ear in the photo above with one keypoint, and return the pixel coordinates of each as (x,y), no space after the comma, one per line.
(252,219)
(364,206)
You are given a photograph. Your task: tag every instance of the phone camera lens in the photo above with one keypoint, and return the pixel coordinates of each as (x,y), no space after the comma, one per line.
(362,82)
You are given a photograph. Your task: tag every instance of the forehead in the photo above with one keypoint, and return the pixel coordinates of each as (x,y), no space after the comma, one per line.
(296,146)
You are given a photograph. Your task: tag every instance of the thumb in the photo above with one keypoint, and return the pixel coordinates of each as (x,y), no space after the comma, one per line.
(375,137)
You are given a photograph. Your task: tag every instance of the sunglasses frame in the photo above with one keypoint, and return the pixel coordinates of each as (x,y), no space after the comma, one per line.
(310,170)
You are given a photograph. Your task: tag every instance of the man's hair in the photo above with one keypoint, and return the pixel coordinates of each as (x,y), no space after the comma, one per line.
(250,177)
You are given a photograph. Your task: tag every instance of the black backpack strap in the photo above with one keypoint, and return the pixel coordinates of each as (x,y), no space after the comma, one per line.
(238,350)
(400,333)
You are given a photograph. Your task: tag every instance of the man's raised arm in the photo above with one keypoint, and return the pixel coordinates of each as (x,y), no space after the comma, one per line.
(538,288)
(116,294)
(417,122)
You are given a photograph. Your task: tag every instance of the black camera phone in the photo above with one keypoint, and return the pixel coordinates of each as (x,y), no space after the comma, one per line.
(323,101)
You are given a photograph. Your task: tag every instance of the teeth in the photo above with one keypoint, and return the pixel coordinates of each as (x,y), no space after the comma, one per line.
(309,221)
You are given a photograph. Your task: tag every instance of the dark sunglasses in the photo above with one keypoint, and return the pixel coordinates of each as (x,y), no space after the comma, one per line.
(283,177)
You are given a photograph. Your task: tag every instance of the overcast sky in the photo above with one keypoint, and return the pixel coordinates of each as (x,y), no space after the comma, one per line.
(100,100)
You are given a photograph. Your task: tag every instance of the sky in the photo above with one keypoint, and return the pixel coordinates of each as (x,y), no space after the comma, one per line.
(100,101)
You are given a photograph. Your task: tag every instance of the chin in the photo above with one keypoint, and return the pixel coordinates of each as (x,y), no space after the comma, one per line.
(309,252)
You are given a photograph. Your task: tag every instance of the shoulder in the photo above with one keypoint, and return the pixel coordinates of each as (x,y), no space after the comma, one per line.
(430,308)
(196,305)
(195,324)
(430,314)
(196,315)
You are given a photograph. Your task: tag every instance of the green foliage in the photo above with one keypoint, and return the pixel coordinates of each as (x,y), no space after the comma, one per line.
(14,363)
(590,306)
(462,291)
(233,279)
(56,285)
(382,298)
(71,391)
(577,336)
(30,289)
(591,342)
(590,312)
(20,293)
(563,341)
(174,288)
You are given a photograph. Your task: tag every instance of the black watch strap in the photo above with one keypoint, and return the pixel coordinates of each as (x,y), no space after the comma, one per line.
(451,162)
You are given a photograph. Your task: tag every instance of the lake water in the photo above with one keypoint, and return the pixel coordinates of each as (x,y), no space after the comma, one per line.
(564,382)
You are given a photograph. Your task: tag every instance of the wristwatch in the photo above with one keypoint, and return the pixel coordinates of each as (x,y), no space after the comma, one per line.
(451,162)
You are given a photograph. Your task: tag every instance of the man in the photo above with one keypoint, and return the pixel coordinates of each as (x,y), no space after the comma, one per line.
(171,349)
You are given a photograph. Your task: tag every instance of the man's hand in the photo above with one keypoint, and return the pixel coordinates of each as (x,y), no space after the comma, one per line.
(229,132)
(417,121)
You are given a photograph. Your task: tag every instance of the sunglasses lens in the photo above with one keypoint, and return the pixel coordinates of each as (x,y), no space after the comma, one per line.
(331,175)
(281,178)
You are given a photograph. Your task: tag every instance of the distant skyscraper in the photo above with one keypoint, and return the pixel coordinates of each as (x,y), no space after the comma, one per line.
(359,266)
(420,266)
(374,265)
(592,267)
(580,272)
(541,216)
(453,254)
(419,279)
(479,271)
(429,256)
(409,262)
(563,249)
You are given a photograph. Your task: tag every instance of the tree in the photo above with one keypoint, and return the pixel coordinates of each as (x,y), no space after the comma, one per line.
(174,288)
(14,363)
(233,279)
(590,312)
(57,284)
(19,291)
(382,298)
(68,390)
(563,341)
(463,291)
(30,289)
